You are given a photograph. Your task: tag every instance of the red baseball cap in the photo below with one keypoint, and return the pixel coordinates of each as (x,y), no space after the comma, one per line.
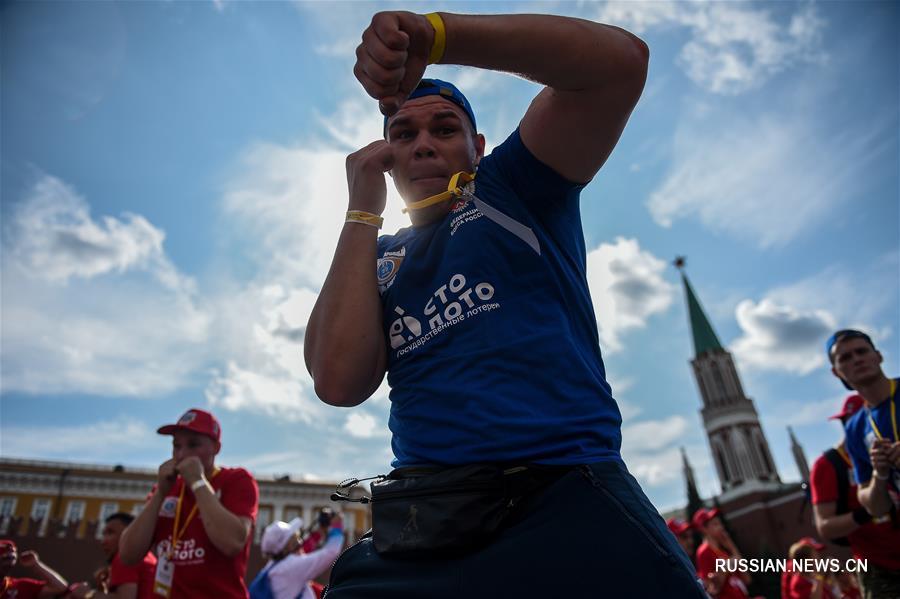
(851,406)
(702,516)
(7,546)
(678,526)
(195,421)
(811,542)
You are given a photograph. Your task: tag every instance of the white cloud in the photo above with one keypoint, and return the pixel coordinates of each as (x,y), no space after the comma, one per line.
(364,426)
(785,331)
(659,464)
(88,442)
(780,337)
(765,180)
(652,435)
(786,412)
(54,238)
(733,47)
(627,288)
(837,289)
(93,306)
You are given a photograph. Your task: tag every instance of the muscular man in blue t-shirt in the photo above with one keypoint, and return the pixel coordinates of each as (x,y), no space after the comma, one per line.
(872,441)
(480,312)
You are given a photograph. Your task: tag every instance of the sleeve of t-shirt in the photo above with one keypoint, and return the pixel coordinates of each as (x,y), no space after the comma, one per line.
(303,568)
(532,181)
(823,482)
(240,495)
(27,587)
(120,574)
(856,447)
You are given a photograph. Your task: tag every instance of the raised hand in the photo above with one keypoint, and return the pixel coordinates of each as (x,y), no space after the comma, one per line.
(392,57)
(28,559)
(365,176)
(165,476)
(190,469)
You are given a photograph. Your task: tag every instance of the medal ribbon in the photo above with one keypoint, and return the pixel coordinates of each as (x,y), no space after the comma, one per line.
(176,533)
(893,402)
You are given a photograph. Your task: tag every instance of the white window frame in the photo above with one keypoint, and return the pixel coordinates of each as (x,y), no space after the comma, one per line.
(74,511)
(107,509)
(41,504)
(7,511)
(8,501)
(262,521)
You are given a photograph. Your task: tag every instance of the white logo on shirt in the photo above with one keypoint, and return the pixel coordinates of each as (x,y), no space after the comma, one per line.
(449,305)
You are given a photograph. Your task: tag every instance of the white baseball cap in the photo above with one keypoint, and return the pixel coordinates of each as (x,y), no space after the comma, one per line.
(276,535)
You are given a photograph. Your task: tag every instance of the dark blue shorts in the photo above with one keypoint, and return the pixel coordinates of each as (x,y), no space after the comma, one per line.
(592,533)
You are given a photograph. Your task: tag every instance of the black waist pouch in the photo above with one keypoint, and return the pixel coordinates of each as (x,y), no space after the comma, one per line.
(419,512)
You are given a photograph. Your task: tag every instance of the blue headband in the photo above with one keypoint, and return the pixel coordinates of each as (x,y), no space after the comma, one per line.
(448,91)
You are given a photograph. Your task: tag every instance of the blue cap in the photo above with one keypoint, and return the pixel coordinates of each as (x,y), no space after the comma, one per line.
(448,91)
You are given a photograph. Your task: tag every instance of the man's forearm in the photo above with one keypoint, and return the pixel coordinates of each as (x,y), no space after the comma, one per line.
(564,53)
(226,531)
(344,344)
(55,582)
(874,497)
(836,526)
(137,536)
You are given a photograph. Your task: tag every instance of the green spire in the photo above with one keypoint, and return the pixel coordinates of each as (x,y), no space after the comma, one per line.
(705,339)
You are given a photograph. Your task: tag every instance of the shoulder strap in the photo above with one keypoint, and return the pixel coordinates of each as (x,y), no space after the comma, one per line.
(843,488)
(843,480)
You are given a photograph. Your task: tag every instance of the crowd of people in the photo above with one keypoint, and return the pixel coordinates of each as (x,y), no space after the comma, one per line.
(480,316)
(853,489)
(192,539)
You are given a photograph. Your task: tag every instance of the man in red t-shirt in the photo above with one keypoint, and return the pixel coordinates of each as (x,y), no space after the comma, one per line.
(120,581)
(717,544)
(51,584)
(198,517)
(837,511)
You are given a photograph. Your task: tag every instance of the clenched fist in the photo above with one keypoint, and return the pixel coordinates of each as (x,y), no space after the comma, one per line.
(190,469)
(392,57)
(365,176)
(165,477)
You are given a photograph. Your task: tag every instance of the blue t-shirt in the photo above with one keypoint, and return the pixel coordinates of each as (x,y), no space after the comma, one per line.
(493,349)
(861,436)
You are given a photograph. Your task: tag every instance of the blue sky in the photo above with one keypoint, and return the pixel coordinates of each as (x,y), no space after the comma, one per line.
(173,186)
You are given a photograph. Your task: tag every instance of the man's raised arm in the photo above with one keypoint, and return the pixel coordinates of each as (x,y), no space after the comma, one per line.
(594,75)
(344,347)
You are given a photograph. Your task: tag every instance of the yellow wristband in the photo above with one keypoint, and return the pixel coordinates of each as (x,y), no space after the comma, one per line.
(365,218)
(440,37)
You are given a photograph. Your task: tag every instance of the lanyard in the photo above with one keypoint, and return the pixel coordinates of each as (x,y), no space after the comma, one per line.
(454,189)
(176,533)
(893,413)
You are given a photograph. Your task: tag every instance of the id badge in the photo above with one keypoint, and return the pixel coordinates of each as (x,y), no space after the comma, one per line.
(165,572)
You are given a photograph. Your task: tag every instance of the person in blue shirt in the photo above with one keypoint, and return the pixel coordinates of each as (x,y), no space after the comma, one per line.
(480,312)
(871,439)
